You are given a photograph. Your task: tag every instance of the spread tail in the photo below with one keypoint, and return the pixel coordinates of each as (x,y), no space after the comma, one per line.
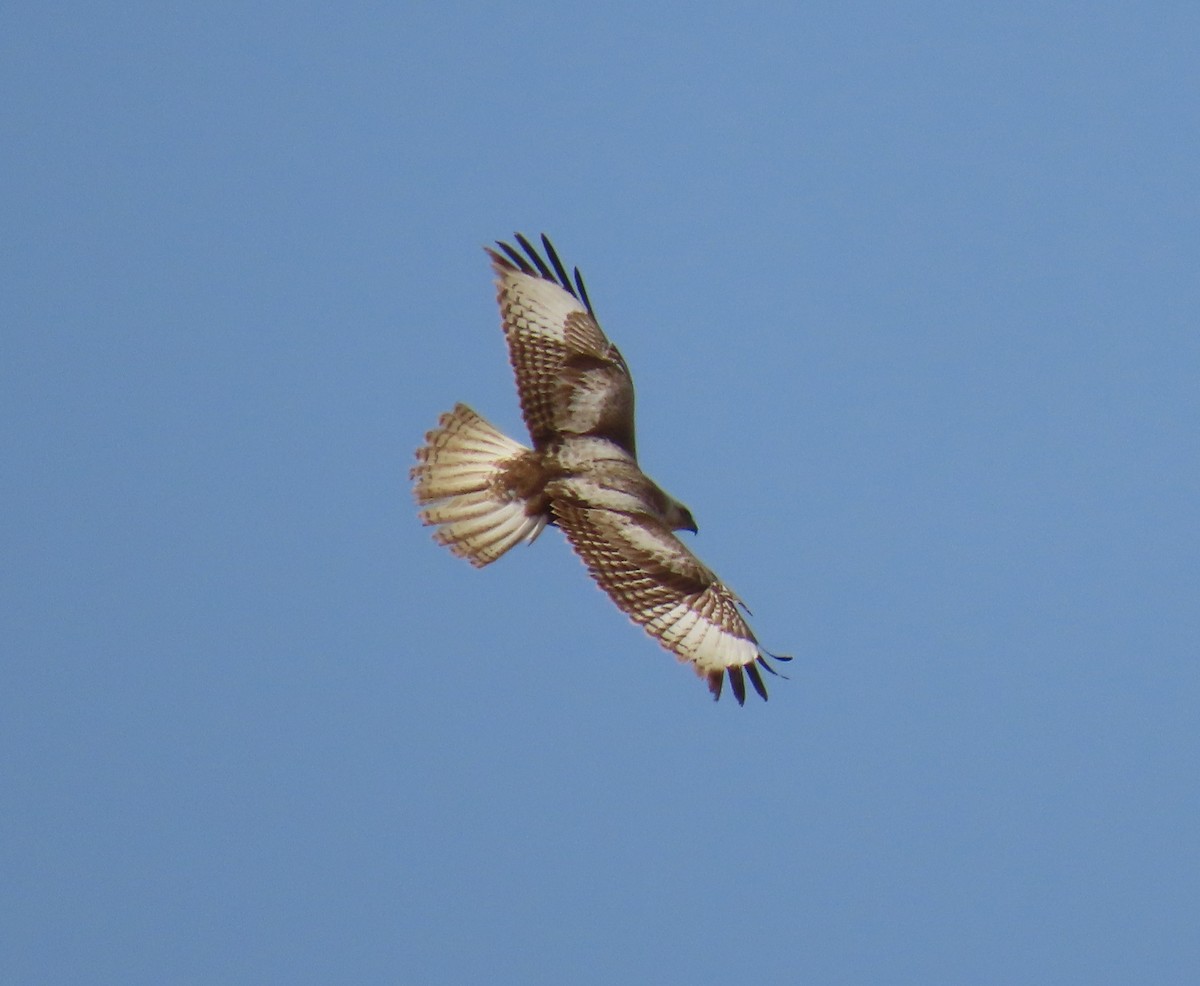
(460,481)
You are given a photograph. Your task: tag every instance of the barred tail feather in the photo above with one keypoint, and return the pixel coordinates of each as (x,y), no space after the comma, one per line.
(458,477)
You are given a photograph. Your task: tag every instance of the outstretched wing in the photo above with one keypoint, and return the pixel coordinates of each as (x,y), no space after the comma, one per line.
(570,378)
(660,584)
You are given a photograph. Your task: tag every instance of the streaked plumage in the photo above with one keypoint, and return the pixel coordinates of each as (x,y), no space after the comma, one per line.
(487,492)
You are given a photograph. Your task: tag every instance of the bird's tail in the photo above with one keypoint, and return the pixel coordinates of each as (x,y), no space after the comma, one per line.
(461,481)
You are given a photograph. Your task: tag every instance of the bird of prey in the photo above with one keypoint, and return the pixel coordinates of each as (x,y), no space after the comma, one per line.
(486,492)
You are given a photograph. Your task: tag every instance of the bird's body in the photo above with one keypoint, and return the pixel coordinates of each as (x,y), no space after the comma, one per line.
(487,492)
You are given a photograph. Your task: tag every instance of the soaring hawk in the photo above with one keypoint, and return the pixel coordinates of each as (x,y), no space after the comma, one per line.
(486,492)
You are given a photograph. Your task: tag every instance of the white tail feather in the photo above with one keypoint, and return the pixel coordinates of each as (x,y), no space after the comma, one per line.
(458,475)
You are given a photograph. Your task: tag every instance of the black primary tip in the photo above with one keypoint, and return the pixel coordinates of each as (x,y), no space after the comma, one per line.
(536,257)
(531,262)
(756,680)
(519,261)
(738,681)
(559,269)
(583,295)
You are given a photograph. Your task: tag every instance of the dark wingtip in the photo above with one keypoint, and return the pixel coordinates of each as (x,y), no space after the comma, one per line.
(764,663)
(583,295)
(756,680)
(737,678)
(531,262)
(559,269)
(536,257)
(514,257)
(738,681)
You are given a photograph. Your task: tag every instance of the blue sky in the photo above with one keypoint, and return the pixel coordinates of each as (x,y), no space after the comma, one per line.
(910,296)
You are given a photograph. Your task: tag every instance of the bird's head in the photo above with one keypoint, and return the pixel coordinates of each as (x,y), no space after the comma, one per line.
(679,517)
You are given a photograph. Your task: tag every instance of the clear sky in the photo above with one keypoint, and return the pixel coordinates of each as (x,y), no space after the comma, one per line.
(910,294)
